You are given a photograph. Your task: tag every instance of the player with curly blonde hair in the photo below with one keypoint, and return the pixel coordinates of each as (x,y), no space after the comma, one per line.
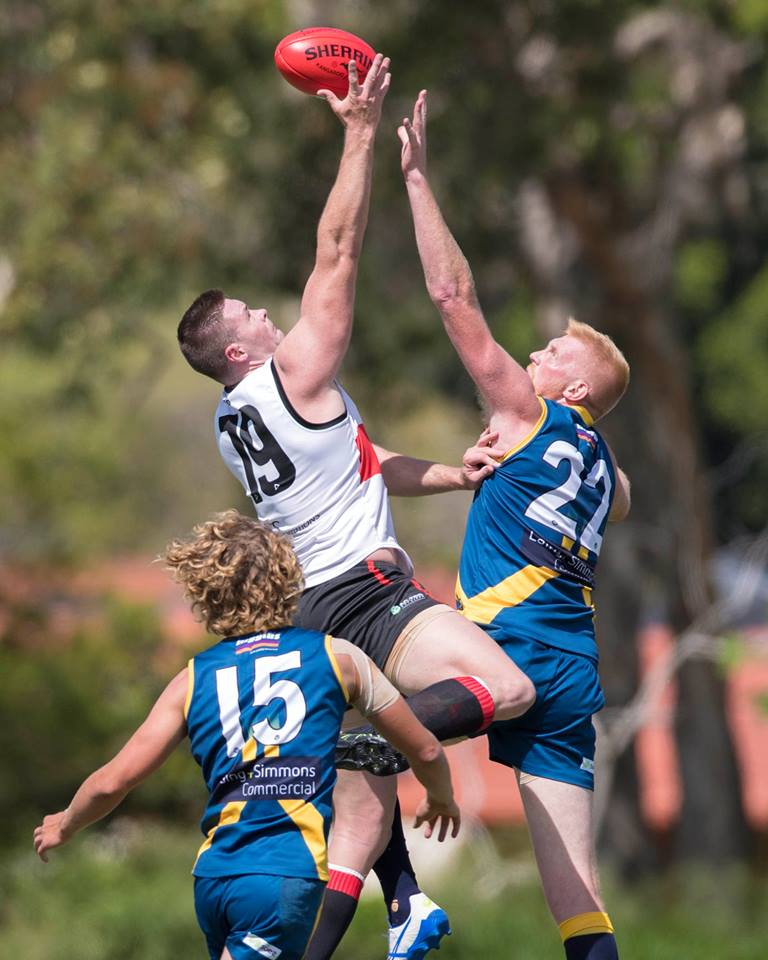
(239,575)
(262,709)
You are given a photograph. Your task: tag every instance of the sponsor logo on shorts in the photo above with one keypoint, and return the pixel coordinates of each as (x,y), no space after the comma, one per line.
(587,764)
(260,945)
(399,607)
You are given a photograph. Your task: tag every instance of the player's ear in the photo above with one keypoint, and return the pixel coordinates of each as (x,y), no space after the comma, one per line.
(576,391)
(235,353)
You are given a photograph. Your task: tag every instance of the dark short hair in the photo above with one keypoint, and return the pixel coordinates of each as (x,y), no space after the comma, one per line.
(203,335)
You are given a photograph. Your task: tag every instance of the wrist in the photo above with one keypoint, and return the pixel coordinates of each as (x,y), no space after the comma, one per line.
(459,479)
(415,178)
(359,134)
(67,829)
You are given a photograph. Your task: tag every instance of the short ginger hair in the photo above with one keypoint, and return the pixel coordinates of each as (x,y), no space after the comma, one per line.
(203,335)
(240,575)
(607,387)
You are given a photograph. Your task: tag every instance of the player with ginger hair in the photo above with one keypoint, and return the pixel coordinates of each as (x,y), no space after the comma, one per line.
(532,541)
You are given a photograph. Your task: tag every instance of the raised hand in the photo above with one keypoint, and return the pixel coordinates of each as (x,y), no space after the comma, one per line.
(413,138)
(362,104)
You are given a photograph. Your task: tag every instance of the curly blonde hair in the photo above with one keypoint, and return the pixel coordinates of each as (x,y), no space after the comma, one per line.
(240,575)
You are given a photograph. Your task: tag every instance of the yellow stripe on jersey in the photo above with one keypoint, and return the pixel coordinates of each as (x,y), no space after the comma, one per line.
(335,665)
(585,923)
(585,415)
(310,822)
(272,750)
(527,439)
(190,686)
(230,814)
(488,604)
(232,811)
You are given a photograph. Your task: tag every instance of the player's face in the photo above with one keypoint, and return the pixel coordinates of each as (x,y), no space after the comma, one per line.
(252,329)
(552,369)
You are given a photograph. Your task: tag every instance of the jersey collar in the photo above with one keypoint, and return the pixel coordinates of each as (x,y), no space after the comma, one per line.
(585,415)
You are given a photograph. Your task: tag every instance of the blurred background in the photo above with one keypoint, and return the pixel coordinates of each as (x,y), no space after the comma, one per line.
(603,159)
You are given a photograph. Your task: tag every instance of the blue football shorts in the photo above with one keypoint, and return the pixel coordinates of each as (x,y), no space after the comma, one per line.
(257,916)
(555,739)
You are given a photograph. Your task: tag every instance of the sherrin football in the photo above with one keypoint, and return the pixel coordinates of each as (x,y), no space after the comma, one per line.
(317,58)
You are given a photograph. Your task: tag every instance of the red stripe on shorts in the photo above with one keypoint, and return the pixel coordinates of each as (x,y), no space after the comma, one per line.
(483,696)
(372,568)
(345,883)
(423,589)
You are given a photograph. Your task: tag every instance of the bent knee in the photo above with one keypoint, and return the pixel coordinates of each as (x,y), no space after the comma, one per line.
(513,694)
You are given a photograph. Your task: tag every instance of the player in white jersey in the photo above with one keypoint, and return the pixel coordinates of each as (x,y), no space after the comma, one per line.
(319,483)
(296,442)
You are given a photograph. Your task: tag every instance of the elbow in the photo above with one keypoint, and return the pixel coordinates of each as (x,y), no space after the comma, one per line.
(448,294)
(619,512)
(338,251)
(109,785)
(429,752)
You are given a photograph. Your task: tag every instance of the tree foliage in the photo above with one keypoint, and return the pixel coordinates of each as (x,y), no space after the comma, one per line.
(607,159)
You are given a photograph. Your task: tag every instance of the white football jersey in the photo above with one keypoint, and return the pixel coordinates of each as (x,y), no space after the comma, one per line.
(321,484)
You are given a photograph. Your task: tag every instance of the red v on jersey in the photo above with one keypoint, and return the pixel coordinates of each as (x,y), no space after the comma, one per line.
(369,462)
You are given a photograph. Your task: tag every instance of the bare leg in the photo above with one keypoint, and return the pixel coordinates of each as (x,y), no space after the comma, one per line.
(560,823)
(439,644)
(559,819)
(363,807)
(362,819)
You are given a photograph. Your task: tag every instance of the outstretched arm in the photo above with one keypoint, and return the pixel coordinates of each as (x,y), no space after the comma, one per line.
(309,356)
(503,383)
(148,748)
(407,476)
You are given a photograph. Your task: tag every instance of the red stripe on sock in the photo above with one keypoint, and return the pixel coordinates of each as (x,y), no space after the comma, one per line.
(378,574)
(483,696)
(345,883)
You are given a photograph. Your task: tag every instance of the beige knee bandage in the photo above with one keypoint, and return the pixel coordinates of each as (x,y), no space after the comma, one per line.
(408,637)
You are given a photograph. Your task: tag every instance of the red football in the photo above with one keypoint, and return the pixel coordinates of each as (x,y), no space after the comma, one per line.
(317,58)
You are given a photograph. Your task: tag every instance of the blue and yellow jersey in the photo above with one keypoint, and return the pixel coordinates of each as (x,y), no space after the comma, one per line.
(534,533)
(263,715)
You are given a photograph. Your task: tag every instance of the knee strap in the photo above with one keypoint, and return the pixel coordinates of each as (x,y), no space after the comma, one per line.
(584,923)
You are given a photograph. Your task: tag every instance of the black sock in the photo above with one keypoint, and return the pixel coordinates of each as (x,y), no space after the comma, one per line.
(396,874)
(591,946)
(453,708)
(336,915)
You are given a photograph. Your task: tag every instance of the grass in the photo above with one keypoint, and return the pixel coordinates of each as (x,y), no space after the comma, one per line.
(125,893)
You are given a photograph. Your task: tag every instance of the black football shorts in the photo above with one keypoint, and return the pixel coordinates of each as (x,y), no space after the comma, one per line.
(370,604)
